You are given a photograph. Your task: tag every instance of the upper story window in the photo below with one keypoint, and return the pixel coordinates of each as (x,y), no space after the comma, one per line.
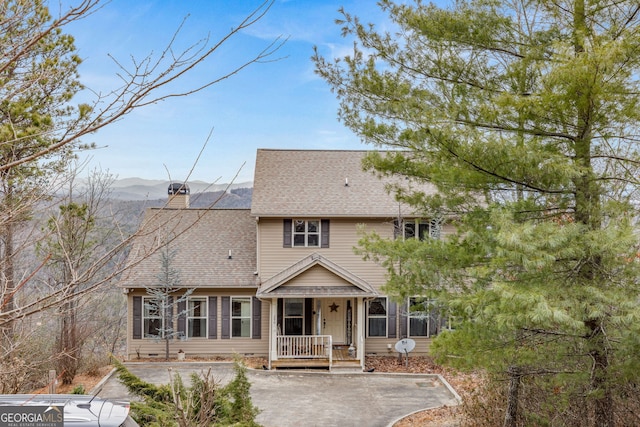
(306,233)
(377,317)
(197,317)
(422,229)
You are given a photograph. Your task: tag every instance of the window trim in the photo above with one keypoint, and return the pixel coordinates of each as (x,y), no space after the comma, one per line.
(378,316)
(249,317)
(203,318)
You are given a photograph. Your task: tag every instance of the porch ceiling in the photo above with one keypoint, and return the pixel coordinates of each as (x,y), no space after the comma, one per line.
(273,287)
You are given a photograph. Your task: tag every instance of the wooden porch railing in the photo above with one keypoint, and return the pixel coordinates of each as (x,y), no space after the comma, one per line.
(304,347)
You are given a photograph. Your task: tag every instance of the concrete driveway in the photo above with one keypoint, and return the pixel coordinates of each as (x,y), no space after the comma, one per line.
(309,398)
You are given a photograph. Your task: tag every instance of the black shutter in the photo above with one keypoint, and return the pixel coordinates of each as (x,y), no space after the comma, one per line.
(308,315)
(403,320)
(392,309)
(324,229)
(286,234)
(137,318)
(256,307)
(168,318)
(182,318)
(226,317)
(213,318)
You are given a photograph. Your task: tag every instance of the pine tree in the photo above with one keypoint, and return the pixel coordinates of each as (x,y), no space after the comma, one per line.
(166,295)
(524,115)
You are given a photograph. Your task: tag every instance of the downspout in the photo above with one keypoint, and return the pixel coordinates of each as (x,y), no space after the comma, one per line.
(272,335)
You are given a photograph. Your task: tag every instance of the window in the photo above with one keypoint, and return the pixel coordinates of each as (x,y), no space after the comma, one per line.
(411,228)
(293,316)
(152,321)
(419,317)
(425,317)
(306,233)
(197,318)
(241,317)
(377,317)
(302,233)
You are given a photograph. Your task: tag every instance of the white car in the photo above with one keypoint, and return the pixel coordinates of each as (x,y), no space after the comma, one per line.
(66,410)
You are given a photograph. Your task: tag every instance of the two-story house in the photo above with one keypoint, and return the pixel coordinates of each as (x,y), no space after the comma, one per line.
(281,279)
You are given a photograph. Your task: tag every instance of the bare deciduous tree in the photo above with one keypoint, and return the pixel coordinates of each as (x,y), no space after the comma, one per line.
(41,130)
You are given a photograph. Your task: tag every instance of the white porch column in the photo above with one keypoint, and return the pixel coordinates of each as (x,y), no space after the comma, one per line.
(360,319)
(273,330)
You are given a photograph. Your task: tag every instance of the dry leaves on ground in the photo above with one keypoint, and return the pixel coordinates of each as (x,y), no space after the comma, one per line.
(463,383)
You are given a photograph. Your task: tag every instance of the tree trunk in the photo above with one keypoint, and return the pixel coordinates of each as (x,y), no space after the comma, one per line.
(511,415)
(603,406)
(68,348)
(7,304)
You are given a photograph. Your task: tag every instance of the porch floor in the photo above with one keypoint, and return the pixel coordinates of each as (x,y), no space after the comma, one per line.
(341,359)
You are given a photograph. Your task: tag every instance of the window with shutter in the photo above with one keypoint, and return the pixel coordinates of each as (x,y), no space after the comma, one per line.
(377,317)
(241,317)
(197,317)
(305,233)
(152,318)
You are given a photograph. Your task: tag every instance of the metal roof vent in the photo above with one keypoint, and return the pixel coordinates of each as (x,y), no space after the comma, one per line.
(178,195)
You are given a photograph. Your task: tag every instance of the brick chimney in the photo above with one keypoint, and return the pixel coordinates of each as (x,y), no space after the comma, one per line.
(178,196)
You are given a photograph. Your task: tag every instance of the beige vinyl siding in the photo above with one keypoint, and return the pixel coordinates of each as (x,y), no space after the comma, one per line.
(447,229)
(316,276)
(378,346)
(201,347)
(343,237)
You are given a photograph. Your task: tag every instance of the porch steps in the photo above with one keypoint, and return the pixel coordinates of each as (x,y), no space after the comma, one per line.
(346,366)
(339,366)
(300,364)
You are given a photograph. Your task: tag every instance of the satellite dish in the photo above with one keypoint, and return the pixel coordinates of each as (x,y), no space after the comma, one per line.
(405,345)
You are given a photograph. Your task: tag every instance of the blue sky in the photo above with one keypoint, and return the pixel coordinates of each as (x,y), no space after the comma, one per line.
(280,104)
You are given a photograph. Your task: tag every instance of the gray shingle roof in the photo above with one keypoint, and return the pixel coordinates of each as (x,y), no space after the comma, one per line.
(312,183)
(203,239)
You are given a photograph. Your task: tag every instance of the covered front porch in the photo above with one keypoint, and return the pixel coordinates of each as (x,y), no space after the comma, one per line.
(314,352)
(317,316)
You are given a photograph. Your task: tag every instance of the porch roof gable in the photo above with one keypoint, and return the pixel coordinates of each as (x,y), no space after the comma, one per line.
(274,285)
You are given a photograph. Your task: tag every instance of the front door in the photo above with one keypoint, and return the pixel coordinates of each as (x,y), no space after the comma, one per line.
(333,319)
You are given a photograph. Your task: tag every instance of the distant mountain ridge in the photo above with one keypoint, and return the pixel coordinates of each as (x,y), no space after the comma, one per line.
(150,189)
